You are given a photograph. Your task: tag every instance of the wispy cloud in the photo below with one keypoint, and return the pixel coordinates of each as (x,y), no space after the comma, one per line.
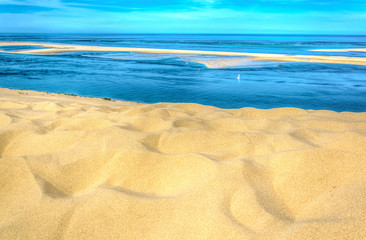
(37,3)
(206,1)
(184,16)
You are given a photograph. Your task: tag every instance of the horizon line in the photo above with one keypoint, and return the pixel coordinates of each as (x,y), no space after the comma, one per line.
(283,34)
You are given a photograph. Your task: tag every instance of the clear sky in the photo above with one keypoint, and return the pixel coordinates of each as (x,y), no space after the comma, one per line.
(184,16)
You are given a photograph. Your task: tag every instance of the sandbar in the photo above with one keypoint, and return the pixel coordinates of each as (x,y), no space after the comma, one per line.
(53,48)
(341,50)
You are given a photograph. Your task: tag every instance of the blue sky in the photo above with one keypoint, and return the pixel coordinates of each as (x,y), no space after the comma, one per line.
(184,16)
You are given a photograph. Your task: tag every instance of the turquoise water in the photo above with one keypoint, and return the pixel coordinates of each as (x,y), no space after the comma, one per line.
(152,78)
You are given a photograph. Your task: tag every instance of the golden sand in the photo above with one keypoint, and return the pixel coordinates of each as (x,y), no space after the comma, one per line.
(86,168)
(62,48)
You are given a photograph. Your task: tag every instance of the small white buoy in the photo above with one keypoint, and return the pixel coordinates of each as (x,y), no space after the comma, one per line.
(238,77)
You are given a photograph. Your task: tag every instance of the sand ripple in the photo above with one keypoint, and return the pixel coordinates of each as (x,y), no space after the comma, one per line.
(79,168)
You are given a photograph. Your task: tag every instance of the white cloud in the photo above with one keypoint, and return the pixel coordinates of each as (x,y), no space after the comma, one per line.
(37,3)
(206,2)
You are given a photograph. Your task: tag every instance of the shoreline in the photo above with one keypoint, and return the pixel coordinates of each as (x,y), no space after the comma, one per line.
(109,100)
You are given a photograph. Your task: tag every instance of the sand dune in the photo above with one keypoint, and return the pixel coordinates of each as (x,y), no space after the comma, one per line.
(86,168)
(52,48)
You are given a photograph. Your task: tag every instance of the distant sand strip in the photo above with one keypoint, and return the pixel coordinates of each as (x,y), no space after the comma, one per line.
(341,50)
(61,48)
(87,168)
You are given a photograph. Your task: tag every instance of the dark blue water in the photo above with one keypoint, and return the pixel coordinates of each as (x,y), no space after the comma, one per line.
(155,78)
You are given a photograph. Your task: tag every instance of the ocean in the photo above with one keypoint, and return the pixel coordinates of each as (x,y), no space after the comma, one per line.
(153,78)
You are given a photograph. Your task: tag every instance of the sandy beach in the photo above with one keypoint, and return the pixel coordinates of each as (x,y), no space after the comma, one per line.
(52,48)
(86,168)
